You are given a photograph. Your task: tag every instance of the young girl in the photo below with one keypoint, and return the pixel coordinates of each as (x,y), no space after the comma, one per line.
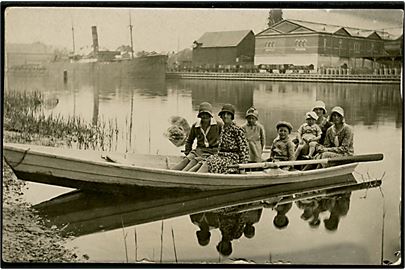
(282,148)
(309,134)
(255,135)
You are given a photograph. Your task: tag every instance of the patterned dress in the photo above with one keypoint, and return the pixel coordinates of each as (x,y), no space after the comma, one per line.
(233,149)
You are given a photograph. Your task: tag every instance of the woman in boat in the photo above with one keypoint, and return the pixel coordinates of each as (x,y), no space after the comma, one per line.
(320,110)
(255,135)
(233,146)
(338,138)
(207,131)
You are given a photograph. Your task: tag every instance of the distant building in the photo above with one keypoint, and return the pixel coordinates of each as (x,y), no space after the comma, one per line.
(301,43)
(224,48)
(28,54)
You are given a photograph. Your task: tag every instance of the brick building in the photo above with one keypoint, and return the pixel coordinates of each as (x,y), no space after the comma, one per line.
(301,43)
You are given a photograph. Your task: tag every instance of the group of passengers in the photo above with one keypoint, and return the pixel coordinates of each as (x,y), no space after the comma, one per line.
(221,146)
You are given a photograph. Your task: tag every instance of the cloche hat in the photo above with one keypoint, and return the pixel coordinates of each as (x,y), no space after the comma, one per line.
(205,107)
(252,112)
(338,110)
(227,108)
(319,104)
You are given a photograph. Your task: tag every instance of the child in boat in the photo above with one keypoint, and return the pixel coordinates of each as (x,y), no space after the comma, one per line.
(255,135)
(309,134)
(207,131)
(282,148)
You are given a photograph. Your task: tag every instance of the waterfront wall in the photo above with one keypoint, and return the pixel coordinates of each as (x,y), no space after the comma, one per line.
(311,77)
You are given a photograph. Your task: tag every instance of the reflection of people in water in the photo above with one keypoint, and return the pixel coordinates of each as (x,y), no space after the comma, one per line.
(235,222)
(337,206)
(281,221)
(206,222)
(312,209)
(340,208)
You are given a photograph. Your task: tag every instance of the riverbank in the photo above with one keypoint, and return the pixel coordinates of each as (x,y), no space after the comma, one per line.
(301,77)
(26,239)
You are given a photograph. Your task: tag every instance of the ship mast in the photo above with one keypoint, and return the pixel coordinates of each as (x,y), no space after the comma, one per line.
(130,33)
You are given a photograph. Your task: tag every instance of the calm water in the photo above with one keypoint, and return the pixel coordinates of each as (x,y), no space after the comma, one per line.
(375,112)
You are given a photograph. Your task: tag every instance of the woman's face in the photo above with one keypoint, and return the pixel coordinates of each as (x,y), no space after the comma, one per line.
(205,118)
(226,117)
(336,118)
(318,111)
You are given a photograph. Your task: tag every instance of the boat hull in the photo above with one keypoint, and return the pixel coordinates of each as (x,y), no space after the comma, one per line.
(84,169)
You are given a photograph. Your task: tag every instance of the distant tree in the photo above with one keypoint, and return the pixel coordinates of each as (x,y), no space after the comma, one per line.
(124,48)
(145,53)
(275,15)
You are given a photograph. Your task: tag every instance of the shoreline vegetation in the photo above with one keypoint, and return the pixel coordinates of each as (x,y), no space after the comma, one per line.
(25,236)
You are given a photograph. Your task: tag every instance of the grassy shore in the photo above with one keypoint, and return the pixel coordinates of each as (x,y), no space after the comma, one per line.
(25,236)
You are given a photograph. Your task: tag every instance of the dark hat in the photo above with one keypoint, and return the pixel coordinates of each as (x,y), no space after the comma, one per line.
(205,107)
(227,108)
(252,112)
(284,124)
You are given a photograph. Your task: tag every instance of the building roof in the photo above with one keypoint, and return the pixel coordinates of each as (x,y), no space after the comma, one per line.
(318,27)
(292,26)
(222,39)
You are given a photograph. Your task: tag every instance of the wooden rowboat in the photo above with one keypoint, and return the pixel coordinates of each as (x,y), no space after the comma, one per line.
(89,169)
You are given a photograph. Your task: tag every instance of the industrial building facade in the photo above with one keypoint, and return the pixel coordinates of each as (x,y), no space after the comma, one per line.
(300,43)
(224,48)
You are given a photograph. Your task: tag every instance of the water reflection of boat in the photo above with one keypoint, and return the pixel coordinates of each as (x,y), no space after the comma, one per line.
(85,213)
(88,169)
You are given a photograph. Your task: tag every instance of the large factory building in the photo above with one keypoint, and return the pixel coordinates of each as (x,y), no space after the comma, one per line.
(301,43)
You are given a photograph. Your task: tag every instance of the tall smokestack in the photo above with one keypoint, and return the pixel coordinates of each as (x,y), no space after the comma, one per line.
(95,39)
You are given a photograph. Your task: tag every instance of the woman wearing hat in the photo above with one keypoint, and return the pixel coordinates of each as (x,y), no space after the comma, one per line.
(255,135)
(233,146)
(207,131)
(320,110)
(339,137)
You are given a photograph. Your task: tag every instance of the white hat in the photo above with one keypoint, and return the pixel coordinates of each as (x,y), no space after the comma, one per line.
(311,115)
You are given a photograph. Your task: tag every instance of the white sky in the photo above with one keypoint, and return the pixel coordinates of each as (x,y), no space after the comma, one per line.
(162,29)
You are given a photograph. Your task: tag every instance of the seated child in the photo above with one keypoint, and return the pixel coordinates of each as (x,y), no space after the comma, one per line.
(255,135)
(309,134)
(282,148)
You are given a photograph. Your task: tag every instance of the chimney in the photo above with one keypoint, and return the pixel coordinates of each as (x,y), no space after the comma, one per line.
(95,39)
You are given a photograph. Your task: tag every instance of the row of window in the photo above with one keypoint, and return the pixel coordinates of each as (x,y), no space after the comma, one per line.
(302,43)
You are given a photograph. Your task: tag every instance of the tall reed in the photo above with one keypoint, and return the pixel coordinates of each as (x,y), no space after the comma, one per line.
(23,114)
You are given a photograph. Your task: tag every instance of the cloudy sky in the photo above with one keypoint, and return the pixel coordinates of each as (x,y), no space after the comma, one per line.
(160,29)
